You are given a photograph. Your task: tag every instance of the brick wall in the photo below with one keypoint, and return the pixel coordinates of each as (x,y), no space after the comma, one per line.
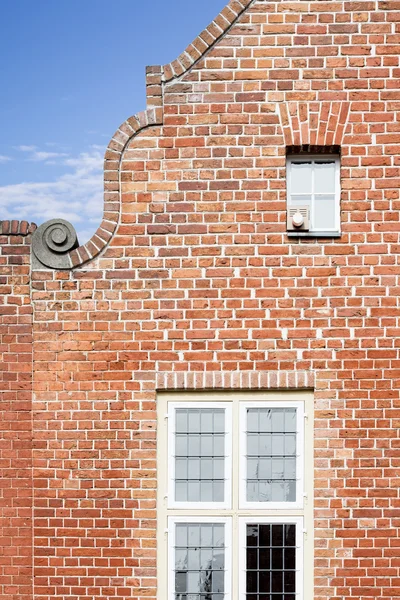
(15,411)
(191,282)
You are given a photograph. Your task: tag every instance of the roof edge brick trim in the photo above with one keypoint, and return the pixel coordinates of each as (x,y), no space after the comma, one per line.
(156,76)
(205,40)
(15,227)
(112,188)
(76,257)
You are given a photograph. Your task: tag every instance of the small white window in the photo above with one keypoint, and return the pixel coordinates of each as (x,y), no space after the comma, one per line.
(313,194)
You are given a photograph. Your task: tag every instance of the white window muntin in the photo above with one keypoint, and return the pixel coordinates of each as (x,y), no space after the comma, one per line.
(172,503)
(243,502)
(298,522)
(313,159)
(227,521)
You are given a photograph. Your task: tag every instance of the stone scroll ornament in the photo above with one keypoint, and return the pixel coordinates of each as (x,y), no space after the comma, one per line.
(53,241)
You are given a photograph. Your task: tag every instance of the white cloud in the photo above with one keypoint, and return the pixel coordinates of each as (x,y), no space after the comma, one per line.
(4,159)
(25,148)
(76,195)
(39,156)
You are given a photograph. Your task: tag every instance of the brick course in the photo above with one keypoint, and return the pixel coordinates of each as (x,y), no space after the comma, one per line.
(192,283)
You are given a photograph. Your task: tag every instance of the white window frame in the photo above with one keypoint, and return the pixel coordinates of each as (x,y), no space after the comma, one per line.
(315,158)
(167,515)
(299,502)
(227,503)
(227,521)
(298,522)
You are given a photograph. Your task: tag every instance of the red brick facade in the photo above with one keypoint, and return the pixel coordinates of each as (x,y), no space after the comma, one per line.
(15,411)
(191,282)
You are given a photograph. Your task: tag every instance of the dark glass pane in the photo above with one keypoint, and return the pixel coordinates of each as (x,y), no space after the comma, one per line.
(290,558)
(265,535)
(251,581)
(290,535)
(290,581)
(277,581)
(264,581)
(277,559)
(271,561)
(277,535)
(264,558)
(252,558)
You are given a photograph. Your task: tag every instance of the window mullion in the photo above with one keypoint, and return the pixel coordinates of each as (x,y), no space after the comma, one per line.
(312,193)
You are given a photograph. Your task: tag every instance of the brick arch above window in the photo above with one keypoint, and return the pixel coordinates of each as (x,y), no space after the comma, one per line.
(314,123)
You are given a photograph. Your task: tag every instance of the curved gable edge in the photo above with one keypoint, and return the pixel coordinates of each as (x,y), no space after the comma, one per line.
(205,40)
(48,252)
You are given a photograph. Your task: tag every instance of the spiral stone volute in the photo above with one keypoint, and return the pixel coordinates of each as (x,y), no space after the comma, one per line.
(52,242)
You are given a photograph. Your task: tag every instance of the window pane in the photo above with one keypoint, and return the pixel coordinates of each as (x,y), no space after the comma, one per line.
(324,173)
(324,216)
(200,561)
(301,177)
(270,561)
(297,200)
(199,454)
(271,455)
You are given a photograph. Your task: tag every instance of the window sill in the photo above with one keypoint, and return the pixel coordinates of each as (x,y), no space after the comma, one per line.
(313,234)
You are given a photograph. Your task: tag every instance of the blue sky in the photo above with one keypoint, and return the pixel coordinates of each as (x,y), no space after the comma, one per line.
(72,72)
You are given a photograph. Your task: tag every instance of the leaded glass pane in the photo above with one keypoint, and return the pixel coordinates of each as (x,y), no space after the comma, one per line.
(271,454)
(271,561)
(199,454)
(199,561)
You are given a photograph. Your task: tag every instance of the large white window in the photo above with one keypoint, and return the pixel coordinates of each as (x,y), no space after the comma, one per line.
(234,496)
(313,188)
